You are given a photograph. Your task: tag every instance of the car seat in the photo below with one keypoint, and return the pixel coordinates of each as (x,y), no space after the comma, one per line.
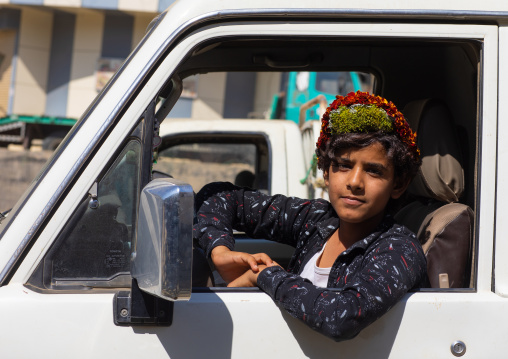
(245,179)
(443,226)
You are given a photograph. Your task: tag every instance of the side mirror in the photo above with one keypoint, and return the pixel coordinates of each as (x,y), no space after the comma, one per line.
(162,253)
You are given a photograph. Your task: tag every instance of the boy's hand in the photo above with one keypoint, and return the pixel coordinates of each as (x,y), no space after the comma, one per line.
(250,278)
(231,265)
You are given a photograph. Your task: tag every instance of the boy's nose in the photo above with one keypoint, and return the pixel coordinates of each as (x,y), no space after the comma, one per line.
(355,179)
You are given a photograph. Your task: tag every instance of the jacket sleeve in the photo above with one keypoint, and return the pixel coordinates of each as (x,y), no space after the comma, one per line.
(222,207)
(386,275)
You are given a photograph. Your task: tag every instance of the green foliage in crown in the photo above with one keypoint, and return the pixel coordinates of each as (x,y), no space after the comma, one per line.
(359,118)
(372,121)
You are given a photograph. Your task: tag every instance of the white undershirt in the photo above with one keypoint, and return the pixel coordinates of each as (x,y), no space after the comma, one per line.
(318,276)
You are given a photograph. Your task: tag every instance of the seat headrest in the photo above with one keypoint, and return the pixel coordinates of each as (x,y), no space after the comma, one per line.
(441,175)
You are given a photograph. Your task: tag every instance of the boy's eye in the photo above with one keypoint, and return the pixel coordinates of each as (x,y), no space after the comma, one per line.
(341,166)
(375,171)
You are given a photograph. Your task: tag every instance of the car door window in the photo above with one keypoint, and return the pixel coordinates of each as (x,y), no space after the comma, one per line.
(93,250)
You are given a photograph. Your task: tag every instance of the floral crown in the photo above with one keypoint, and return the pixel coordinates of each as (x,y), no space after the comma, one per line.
(362,112)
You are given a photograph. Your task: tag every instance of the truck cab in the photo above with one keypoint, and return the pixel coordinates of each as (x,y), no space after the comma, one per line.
(66,248)
(262,154)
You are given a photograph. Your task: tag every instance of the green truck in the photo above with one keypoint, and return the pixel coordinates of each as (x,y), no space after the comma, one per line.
(24,129)
(307,89)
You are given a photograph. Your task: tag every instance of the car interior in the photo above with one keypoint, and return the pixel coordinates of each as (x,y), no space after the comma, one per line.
(435,84)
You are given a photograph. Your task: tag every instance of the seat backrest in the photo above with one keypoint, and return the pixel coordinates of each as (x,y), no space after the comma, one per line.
(443,226)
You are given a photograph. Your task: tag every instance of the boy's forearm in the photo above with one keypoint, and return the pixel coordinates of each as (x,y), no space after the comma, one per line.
(213,228)
(318,308)
(342,314)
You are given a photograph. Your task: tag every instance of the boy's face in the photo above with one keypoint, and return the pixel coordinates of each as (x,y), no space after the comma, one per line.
(360,182)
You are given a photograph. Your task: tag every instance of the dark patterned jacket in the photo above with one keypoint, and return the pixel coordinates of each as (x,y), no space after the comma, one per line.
(365,281)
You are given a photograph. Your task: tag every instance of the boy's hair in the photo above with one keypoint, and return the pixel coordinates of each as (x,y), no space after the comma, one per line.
(404,162)
(360,119)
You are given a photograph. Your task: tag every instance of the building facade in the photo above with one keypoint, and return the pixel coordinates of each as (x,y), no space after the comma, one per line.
(56,55)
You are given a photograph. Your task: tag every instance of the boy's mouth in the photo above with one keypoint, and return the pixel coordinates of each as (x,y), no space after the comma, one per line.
(352,200)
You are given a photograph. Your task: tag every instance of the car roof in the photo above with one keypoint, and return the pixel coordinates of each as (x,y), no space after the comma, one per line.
(188,125)
(187,11)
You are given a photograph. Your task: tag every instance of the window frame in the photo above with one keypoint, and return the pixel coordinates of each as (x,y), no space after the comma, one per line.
(258,139)
(487,117)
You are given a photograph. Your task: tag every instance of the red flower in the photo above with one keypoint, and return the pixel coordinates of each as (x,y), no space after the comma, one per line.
(402,128)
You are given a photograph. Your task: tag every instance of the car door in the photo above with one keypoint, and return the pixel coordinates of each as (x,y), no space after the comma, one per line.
(78,320)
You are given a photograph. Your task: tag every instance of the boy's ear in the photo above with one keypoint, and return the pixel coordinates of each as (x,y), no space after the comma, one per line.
(399,187)
(326,174)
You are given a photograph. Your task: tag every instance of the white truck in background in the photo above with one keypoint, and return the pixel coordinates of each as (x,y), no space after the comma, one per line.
(274,156)
(96,258)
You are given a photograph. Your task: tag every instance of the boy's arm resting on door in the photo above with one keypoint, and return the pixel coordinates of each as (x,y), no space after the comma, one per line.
(341,314)
(222,206)
(386,276)
(231,265)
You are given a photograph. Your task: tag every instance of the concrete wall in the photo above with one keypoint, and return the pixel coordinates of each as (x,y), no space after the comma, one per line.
(141,6)
(267,84)
(51,56)
(55,61)
(60,62)
(9,28)
(7,47)
(31,74)
(234,94)
(211,92)
(99,35)
(141,22)
(239,96)
(86,50)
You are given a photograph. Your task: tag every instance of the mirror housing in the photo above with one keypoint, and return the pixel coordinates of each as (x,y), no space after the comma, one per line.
(161,259)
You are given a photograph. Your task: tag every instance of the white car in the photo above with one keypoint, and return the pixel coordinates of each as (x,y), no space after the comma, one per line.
(95,260)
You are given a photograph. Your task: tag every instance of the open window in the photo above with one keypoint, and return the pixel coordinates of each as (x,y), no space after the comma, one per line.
(406,71)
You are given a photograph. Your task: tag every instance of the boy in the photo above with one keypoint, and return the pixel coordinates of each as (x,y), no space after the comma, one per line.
(352,263)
